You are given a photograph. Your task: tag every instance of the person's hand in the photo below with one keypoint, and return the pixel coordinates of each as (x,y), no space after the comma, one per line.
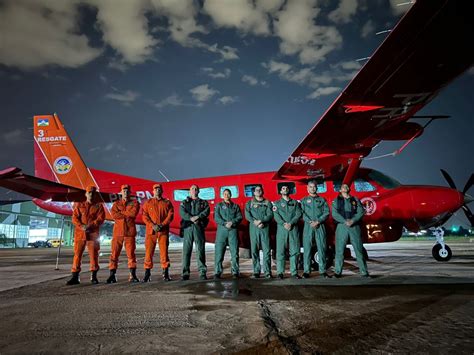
(287,226)
(84,227)
(261,225)
(228,224)
(314,224)
(349,222)
(155,228)
(194,219)
(257,222)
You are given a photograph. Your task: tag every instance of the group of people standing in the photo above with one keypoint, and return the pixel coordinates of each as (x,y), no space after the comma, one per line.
(347,211)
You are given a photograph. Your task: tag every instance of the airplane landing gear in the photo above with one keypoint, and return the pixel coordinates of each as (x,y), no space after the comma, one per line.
(441,251)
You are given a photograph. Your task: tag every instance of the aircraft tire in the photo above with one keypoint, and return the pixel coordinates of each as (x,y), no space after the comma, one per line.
(441,255)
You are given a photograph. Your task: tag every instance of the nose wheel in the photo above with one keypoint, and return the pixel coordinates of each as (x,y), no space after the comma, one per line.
(441,251)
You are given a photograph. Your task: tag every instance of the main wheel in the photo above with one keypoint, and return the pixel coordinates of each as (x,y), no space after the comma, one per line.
(441,255)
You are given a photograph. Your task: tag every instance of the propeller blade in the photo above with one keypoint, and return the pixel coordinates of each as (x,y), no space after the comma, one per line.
(448,179)
(468,214)
(468,185)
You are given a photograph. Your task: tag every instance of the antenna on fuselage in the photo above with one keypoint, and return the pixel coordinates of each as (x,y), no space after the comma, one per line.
(167,180)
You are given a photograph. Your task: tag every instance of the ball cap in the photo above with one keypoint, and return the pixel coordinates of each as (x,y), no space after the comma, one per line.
(157,185)
(91,188)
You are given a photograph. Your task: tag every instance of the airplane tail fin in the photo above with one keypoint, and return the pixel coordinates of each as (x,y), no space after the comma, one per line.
(56,157)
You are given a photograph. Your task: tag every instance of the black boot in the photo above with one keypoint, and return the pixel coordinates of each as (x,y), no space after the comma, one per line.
(112,279)
(94,277)
(133,276)
(74,279)
(147,277)
(166,274)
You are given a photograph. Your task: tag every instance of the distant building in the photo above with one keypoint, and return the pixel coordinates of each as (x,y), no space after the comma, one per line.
(23,223)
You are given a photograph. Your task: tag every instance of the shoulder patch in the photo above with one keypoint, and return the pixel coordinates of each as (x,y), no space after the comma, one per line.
(274,208)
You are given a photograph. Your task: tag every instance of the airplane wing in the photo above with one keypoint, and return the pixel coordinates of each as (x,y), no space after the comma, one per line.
(430,46)
(14,179)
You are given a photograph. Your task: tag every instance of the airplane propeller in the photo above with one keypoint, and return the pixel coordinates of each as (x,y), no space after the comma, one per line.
(467,198)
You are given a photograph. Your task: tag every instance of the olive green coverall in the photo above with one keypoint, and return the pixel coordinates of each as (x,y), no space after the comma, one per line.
(194,233)
(223,213)
(260,237)
(287,212)
(345,233)
(315,209)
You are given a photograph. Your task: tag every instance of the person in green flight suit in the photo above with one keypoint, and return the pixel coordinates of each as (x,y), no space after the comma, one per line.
(287,213)
(194,214)
(258,212)
(315,212)
(347,212)
(228,217)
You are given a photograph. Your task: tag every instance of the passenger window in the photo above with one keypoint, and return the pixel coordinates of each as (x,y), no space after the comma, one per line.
(322,188)
(360,185)
(207,193)
(180,195)
(291,185)
(248,189)
(234,190)
(363,185)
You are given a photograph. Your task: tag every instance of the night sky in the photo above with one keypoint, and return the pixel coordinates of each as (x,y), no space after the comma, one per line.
(205,88)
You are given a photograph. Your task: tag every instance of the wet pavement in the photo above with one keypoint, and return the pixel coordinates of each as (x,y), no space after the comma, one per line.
(412,305)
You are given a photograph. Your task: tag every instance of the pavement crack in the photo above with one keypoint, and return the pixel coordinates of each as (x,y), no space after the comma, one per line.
(288,342)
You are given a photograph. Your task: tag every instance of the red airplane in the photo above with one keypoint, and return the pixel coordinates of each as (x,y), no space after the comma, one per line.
(423,53)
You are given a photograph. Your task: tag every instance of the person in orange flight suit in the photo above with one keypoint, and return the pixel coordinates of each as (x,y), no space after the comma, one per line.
(87,217)
(124,212)
(157,214)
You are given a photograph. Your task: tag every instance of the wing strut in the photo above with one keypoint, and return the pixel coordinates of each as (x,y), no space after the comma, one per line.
(351,171)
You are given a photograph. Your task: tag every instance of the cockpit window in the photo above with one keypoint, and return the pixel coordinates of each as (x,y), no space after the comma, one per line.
(383,180)
(360,185)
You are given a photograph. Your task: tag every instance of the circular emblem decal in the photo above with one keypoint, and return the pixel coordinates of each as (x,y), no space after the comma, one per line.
(369,205)
(255,206)
(282,205)
(63,165)
(274,208)
(224,207)
(308,201)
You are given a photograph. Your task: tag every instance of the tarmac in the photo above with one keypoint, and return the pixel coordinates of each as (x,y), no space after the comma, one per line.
(413,304)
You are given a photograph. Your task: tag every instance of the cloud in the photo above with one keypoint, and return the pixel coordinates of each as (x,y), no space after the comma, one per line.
(301,36)
(203,93)
(126,98)
(244,15)
(367,29)
(226,100)
(14,137)
(103,78)
(344,12)
(217,75)
(181,17)
(125,28)
(250,80)
(319,82)
(323,91)
(36,34)
(172,100)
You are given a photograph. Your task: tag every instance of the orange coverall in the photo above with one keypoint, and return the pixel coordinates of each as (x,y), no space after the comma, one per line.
(157,212)
(124,214)
(91,215)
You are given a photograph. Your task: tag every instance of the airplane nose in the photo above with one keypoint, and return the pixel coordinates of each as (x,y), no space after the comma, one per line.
(432,202)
